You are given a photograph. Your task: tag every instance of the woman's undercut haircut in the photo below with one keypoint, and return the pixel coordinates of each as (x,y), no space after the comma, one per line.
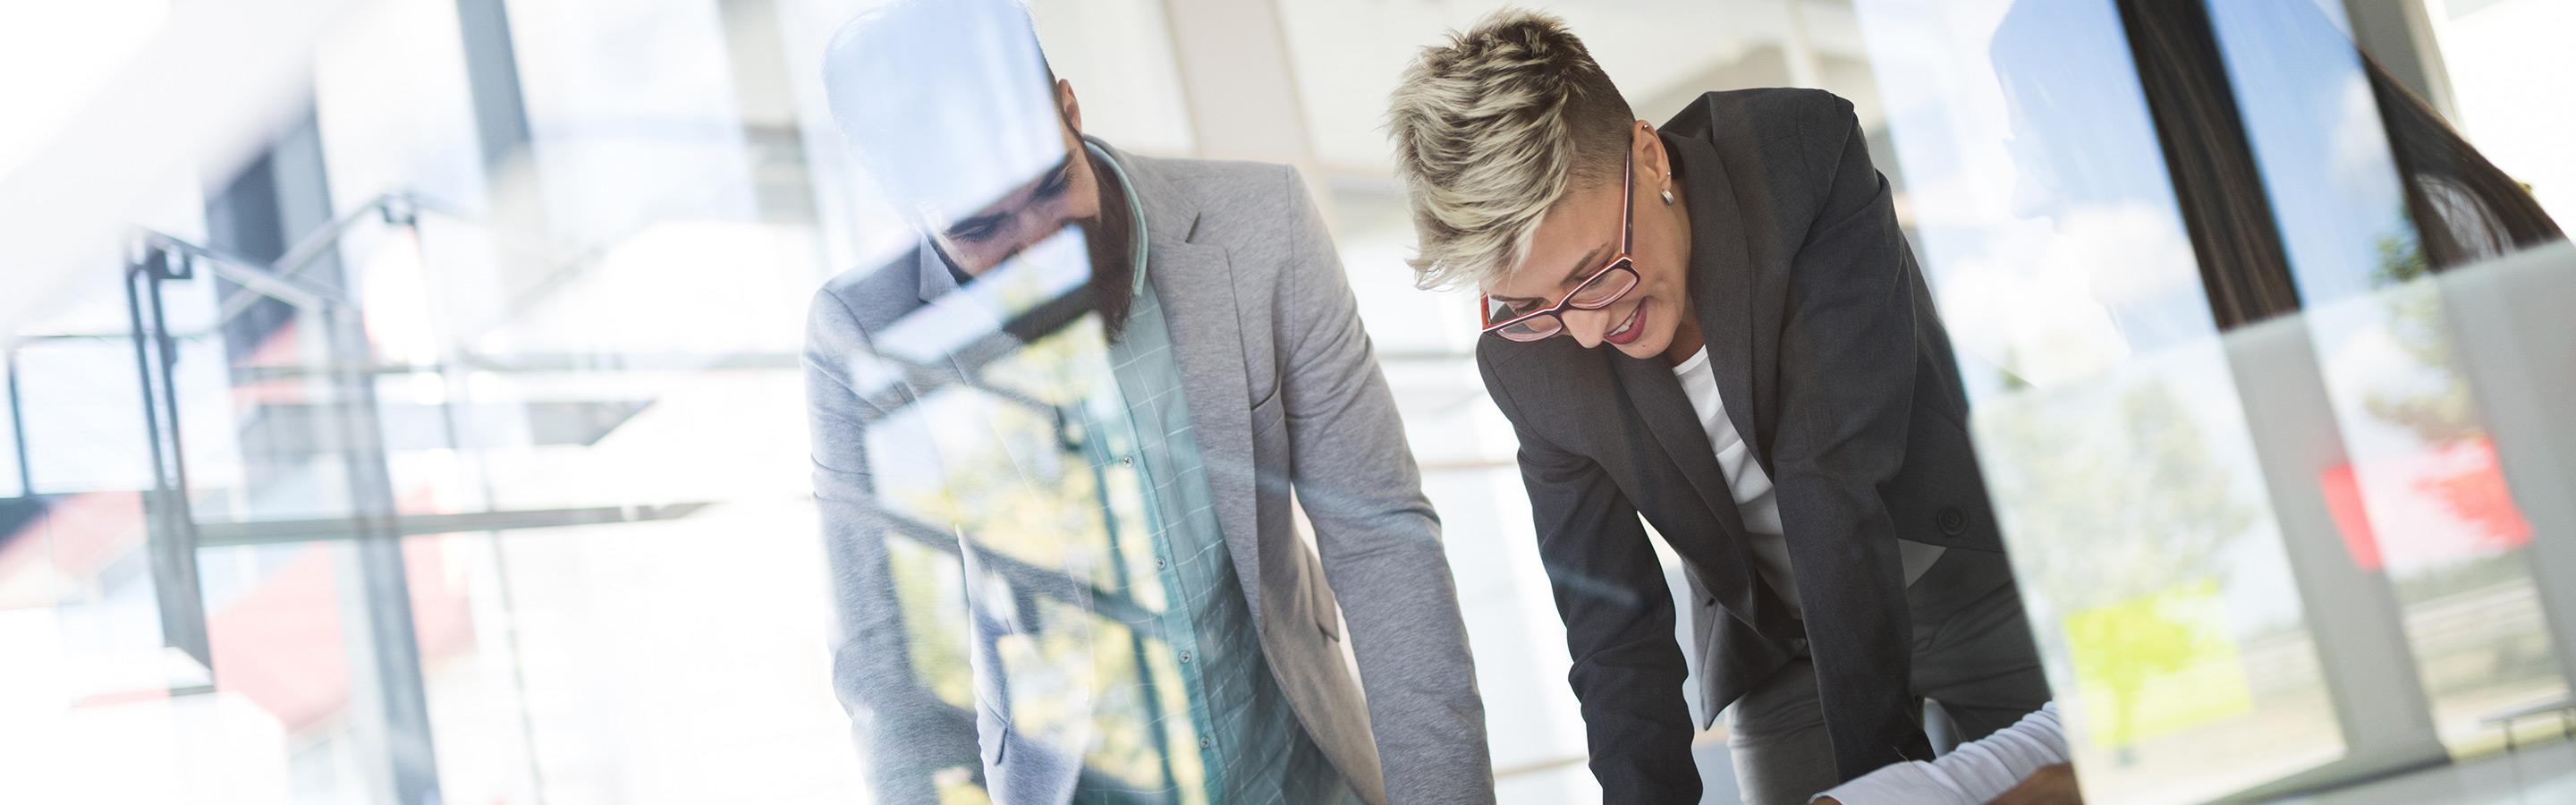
(1491,130)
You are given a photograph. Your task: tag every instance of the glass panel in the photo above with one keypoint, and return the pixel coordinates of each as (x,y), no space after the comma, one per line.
(2157,579)
(587,357)
(585,361)
(2148,535)
(2315,128)
(1034,596)
(2422,497)
(1058,614)
(2037,190)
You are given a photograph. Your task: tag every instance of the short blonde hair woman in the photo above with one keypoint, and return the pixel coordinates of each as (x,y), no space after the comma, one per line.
(1779,400)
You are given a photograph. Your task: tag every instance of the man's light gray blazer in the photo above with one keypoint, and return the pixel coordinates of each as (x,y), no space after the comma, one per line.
(1285,395)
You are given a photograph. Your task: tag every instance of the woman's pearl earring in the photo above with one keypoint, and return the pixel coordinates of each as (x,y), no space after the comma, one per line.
(1668,198)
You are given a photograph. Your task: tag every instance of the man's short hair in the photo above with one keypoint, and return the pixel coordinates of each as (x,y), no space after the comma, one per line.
(1491,129)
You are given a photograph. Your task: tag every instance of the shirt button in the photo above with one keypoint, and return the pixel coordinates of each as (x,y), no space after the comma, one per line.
(1159,563)
(1205,742)
(1126,461)
(1185,658)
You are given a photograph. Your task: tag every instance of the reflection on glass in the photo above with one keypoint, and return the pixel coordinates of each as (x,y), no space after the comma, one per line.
(546,627)
(2046,219)
(2210,585)
(1051,617)
(547,385)
(2124,470)
(2368,209)
(2143,531)
(1002,479)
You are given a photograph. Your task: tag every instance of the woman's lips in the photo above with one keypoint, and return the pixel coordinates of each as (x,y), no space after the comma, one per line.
(1627,332)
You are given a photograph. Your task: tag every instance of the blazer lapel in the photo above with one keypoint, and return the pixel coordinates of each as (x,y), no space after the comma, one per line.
(1720,287)
(1196,285)
(1718,278)
(1657,398)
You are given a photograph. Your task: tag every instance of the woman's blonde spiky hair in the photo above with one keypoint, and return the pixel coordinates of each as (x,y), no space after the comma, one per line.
(1491,129)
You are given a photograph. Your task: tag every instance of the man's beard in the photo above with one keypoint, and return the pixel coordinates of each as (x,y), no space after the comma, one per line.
(1113,271)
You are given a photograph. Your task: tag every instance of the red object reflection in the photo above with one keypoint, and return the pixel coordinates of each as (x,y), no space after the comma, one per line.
(2454,503)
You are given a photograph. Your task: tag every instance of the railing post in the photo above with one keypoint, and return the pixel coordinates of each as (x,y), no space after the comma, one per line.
(171,541)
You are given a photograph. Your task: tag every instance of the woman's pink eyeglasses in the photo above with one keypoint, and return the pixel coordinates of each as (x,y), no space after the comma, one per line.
(1602,289)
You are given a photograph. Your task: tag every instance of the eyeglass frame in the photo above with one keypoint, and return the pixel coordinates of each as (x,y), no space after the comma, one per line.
(1623,261)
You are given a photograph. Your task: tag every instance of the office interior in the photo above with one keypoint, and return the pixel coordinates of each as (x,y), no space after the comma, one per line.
(404,399)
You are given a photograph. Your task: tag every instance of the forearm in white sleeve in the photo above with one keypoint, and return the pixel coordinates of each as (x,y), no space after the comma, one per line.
(1975,772)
